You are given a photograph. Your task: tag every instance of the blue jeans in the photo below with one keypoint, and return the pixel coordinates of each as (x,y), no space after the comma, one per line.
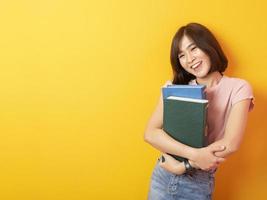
(198,185)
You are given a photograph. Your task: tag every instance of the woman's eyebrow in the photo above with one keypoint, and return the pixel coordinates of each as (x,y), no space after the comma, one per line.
(180,51)
(190,45)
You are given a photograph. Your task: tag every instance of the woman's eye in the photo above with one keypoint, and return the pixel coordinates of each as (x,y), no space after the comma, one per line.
(193,48)
(181,56)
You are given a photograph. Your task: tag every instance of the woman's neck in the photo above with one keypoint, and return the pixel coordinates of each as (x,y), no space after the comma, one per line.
(210,80)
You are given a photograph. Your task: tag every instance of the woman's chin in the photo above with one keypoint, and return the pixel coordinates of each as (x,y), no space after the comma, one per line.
(200,74)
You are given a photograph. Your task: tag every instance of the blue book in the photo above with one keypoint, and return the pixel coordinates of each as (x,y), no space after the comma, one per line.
(188,91)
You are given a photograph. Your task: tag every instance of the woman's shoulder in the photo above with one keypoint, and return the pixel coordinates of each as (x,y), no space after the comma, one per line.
(168,82)
(235,79)
(235,82)
(237,85)
(240,89)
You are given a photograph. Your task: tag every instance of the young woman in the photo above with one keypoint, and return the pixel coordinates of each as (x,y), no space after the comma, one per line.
(197,58)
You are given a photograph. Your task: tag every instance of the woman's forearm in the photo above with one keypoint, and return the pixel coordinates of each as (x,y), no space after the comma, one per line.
(159,139)
(235,129)
(229,148)
(203,157)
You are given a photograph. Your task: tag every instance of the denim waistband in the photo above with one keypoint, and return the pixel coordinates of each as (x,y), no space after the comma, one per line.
(198,184)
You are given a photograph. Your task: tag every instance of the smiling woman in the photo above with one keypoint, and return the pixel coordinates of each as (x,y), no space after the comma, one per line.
(197,58)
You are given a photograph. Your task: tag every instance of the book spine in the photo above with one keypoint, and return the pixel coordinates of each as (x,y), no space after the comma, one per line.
(205,125)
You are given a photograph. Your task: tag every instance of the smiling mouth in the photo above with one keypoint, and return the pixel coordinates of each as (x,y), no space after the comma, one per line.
(195,65)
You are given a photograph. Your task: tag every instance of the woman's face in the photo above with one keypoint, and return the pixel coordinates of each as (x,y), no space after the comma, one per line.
(193,59)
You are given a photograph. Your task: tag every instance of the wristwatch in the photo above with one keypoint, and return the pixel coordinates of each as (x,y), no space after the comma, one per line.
(188,167)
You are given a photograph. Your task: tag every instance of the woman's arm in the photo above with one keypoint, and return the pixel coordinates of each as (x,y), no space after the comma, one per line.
(235,127)
(234,131)
(174,166)
(158,138)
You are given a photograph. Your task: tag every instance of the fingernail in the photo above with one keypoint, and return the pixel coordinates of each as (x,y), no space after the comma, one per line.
(162,159)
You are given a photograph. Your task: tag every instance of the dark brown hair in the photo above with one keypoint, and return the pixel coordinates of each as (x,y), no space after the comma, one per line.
(204,40)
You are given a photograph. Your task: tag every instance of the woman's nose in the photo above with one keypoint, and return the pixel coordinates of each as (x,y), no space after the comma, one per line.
(190,58)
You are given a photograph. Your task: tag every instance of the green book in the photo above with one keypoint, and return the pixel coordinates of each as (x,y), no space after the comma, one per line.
(184,119)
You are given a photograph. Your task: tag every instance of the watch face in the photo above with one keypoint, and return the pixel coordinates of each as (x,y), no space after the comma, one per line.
(188,167)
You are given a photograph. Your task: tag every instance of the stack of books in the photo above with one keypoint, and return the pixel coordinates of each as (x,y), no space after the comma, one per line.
(184,114)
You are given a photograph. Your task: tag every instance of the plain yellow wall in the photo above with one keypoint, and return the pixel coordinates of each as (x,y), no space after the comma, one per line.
(79,80)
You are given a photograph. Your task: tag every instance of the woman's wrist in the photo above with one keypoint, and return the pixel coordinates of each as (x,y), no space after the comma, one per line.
(188,166)
(191,153)
(193,164)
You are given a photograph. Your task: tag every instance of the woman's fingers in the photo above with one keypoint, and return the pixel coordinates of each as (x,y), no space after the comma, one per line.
(215,148)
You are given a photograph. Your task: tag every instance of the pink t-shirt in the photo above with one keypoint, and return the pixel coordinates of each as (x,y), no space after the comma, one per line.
(221,98)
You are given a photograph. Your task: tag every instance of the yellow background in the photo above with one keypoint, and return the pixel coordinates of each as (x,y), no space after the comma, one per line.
(79,80)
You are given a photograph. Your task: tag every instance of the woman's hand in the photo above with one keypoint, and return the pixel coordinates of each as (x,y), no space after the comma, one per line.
(172,165)
(205,157)
(193,164)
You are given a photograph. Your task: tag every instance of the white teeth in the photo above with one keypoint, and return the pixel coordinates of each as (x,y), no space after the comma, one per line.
(195,65)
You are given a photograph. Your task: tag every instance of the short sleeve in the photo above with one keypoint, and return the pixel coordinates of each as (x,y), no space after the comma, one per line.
(242,91)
